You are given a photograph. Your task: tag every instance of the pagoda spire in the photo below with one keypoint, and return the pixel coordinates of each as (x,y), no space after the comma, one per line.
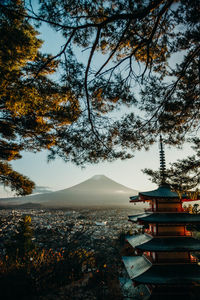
(162,163)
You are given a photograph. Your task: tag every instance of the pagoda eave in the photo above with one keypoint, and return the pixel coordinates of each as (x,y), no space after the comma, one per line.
(189,200)
(164,218)
(142,271)
(144,242)
(170,275)
(163,191)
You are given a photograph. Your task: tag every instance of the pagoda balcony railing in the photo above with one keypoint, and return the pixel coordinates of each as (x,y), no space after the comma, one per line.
(164,210)
(148,209)
(175,261)
(193,259)
(169,233)
(166,260)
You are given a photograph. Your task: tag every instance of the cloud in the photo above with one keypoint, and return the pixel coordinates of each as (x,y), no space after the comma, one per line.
(42,190)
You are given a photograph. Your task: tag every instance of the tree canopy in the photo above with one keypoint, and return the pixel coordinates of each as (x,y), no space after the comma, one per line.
(32,107)
(140,42)
(139,77)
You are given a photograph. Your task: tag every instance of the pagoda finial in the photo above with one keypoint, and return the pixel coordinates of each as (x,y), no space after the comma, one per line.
(162,163)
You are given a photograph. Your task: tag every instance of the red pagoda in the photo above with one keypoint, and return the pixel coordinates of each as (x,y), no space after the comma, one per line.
(163,259)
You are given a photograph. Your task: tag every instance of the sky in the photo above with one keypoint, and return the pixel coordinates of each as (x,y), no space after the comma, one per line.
(57,174)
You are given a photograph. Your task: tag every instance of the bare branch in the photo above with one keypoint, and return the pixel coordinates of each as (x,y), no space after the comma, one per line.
(115,49)
(57,55)
(149,41)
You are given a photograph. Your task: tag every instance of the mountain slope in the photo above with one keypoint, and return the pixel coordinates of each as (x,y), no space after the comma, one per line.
(99,190)
(99,183)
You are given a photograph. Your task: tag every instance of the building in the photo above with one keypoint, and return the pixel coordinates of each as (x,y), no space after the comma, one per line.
(162,257)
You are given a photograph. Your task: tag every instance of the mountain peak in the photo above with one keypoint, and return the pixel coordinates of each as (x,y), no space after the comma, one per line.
(100,184)
(99,177)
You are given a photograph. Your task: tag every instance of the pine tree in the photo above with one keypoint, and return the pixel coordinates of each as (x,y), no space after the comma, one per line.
(24,242)
(21,243)
(96,113)
(183,175)
(32,106)
(151,34)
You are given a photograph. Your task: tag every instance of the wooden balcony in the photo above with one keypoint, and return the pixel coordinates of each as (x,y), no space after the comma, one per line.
(167,260)
(164,210)
(168,233)
(177,261)
(193,259)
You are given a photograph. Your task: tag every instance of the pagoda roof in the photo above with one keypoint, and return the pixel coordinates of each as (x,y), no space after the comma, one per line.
(136,265)
(163,191)
(134,218)
(184,218)
(142,271)
(129,291)
(138,239)
(145,242)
